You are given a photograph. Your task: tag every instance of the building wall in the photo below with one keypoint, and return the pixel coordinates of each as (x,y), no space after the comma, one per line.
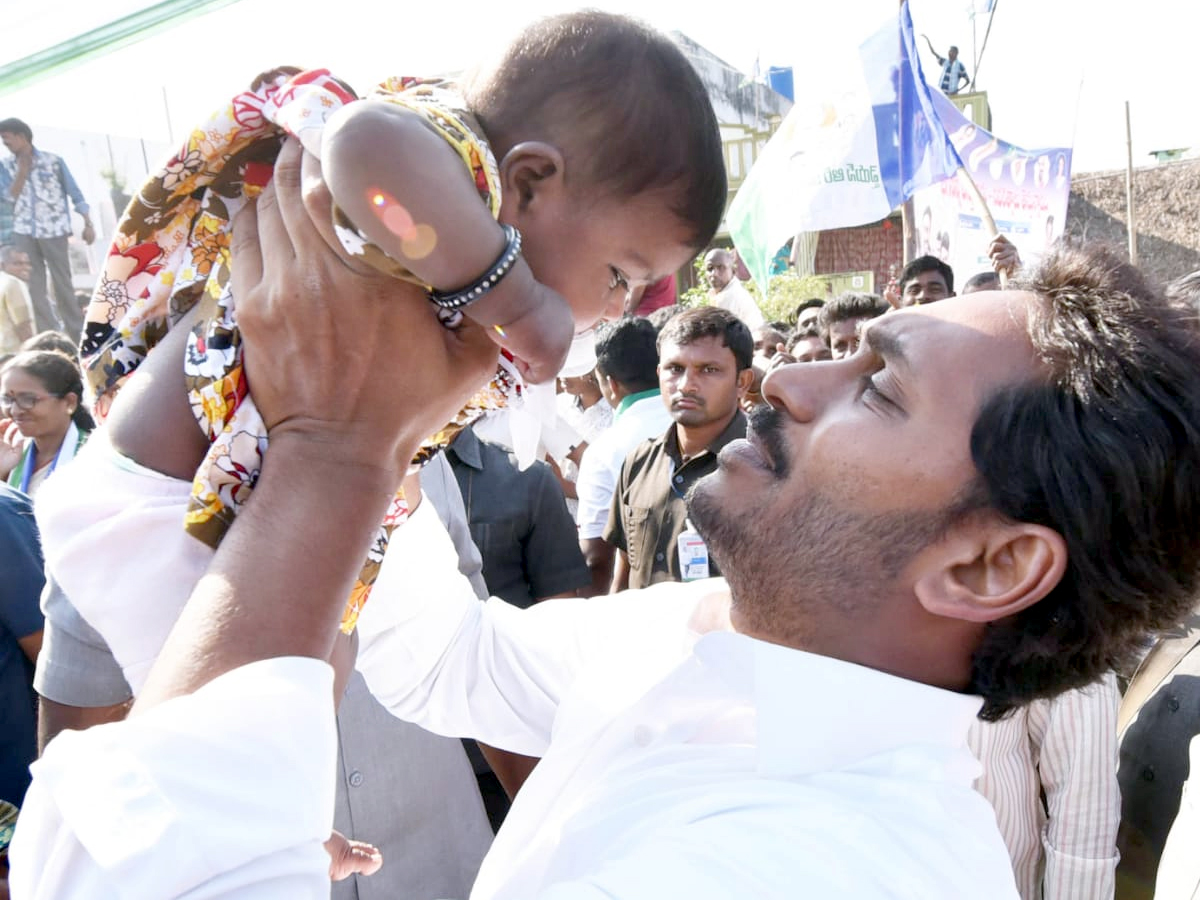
(877,248)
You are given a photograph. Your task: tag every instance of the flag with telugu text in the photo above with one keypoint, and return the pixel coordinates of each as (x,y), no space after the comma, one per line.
(848,153)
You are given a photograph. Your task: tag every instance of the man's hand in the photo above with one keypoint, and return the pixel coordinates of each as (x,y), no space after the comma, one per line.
(1004,256)
(351,361)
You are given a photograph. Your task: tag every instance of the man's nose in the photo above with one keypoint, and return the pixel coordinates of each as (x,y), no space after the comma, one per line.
(801,391)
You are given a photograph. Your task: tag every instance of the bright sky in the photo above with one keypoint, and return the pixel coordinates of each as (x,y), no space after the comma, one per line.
(1057,71)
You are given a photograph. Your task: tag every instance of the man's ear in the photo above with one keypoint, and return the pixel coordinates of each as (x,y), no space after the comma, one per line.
(530,170)
(988,570)
(745,378)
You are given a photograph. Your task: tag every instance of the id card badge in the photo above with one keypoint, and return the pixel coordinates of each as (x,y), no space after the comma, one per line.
(693,555)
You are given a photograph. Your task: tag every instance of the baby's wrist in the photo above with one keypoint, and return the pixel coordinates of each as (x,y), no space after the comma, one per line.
(488,280)
(509,300)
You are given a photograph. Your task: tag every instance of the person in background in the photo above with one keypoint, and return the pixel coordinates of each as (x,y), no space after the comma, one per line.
(16,314)
(842,319)
(725,291)
(982,281)
(43,421)
(704,369)
(808,346)
(808,312)
(582,408)
(43,192)
(519,521)
(954,73)
(627,367)
(20,641)
(768,340)
(925,280)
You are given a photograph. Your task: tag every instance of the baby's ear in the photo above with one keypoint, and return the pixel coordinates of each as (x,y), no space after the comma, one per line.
(531,169)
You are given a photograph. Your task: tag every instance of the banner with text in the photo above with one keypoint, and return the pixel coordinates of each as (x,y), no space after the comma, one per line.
(1026,191)
(848,152)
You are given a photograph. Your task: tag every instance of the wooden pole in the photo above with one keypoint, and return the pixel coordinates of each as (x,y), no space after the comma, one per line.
(1131,221)
(990,223)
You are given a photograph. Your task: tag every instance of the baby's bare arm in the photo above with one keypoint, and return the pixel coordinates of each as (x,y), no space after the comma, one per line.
(407,190)
(151,420)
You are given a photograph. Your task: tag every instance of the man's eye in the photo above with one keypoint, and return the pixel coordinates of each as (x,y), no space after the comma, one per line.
(870,387)
(617,279)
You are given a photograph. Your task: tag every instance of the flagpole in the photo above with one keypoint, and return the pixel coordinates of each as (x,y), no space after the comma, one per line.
(906,206)
(965,177)
(983,49)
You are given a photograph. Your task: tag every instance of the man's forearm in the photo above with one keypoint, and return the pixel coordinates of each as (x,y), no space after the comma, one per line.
(331,510)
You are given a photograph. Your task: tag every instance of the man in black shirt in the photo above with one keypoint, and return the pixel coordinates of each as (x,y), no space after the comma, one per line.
(704,358)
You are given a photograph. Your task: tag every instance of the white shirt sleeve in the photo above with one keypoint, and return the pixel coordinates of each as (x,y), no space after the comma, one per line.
(224,793)
(594,487)
(434,655)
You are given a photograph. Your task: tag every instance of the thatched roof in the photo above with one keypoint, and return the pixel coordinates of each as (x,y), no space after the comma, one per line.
(1166,200)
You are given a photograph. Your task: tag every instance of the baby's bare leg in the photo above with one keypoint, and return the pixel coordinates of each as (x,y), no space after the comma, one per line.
(151,420)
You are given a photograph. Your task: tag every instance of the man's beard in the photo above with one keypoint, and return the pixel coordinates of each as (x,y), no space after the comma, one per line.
(789,568)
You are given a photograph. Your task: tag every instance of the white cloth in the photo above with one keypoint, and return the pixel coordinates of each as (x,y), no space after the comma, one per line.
(1050,772)
(738,301)
(113,538)
(676,764)
(1179,870)
(226,793)
(602,461)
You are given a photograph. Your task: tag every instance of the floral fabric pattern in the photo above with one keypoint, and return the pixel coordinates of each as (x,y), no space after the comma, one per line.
(171,254)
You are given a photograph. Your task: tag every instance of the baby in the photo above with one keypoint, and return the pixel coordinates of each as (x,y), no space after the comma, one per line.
(586,162)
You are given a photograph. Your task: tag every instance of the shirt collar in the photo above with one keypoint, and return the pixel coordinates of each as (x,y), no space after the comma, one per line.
(631,399)
(466,448)
(816,713)
(734,430)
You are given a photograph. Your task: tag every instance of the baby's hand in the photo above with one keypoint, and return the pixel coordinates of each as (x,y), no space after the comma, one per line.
(537,332)
(347,857)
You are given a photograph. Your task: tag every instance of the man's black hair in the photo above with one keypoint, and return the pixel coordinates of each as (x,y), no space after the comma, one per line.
(624,104)
(979,279)
(627,351)
(711,321)
(806,304)
(1103,447)
(16,126)
(850,305)
(927,264)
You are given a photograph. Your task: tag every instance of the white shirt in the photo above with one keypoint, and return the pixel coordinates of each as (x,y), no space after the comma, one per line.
(1050,772)
(674,764)
(738,301)
(601,466)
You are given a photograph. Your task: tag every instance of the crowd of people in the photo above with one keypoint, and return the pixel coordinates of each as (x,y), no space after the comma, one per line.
(696,617)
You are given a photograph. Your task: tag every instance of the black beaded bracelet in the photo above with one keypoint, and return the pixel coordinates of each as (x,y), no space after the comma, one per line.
(493,276)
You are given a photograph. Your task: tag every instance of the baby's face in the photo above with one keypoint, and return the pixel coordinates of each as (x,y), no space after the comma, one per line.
(594,253)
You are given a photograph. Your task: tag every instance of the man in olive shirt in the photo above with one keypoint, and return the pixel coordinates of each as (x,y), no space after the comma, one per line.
(704,358)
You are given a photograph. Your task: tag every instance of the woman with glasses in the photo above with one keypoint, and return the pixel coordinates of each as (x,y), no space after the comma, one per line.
(42,417)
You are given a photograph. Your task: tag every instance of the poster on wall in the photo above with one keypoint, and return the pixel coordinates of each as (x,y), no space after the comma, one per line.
(1026,191)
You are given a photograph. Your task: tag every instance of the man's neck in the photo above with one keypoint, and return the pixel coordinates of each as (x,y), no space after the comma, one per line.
(694,441)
